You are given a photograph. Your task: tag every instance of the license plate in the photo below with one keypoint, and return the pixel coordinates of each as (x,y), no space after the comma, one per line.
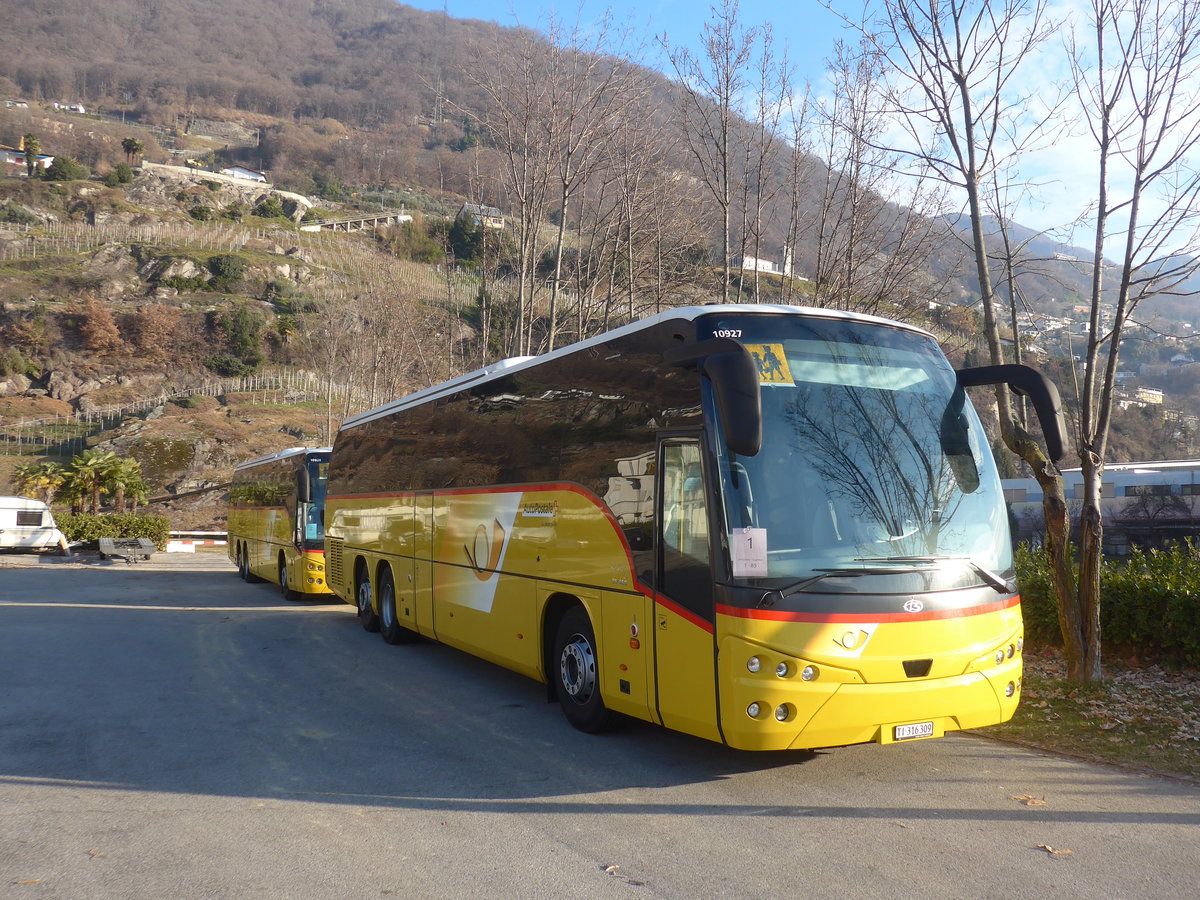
(912,732)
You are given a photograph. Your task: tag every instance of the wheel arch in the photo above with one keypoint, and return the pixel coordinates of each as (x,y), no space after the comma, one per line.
(382,566)
(556,607)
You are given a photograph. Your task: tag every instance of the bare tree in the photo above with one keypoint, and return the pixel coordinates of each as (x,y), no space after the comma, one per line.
(1136,86)
(870,254)
(772,85)
(964,104)
(515,87)
(590,88)
(711,85)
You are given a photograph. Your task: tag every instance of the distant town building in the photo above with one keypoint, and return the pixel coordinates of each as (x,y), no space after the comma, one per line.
(754,264)
(14,160)
(245,174)
(487,216)
(759,264)
(71,107)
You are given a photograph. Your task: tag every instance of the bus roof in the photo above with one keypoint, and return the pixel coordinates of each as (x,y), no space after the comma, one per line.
(688,313)
(278,455)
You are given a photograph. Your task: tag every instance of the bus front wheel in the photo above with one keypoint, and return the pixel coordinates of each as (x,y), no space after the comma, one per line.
(284,587)
(575,676)
(366,614)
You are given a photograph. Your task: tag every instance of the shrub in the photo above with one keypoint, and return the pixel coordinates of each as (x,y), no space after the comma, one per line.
(16,214)
(228,366)
(1149,602)
(227,265)
(66,169)
(200,213)
(227,270)
(124,173)
(185,283)
(12,362)
(270,208)
(85,527)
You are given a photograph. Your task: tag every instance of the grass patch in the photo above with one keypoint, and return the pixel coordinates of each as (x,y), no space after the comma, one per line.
(1144,717)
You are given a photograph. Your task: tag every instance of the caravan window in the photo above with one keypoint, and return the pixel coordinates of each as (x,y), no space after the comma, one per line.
(29,517)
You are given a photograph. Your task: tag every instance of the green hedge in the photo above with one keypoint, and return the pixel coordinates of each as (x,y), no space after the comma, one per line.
(1149,603)
(84,527)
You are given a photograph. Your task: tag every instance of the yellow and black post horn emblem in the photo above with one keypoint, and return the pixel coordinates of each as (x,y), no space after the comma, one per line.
(484,556)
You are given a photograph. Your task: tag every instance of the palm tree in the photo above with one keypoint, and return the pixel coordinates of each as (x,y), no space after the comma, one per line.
(32,147)
(132,147)
(121,477)
(72,494)
(88,474)
(40,481)
(136,492)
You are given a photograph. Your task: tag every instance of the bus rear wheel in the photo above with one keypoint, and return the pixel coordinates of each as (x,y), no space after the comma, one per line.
(390,628)
(366,614)
(575,676)
(247,576)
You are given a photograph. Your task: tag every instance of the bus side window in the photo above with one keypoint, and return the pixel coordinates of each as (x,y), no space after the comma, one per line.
(686,564)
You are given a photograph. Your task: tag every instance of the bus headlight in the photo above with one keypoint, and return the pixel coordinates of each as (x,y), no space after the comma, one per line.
(753,664)
(1010,689)
(753,710)
(782,670)
(999,657)
(783,712)
(809,673)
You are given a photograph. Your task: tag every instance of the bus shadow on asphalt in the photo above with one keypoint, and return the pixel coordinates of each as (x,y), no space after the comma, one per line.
(190,697)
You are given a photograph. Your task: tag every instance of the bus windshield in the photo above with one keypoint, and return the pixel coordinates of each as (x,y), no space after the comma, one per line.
(314,512)
(874,474)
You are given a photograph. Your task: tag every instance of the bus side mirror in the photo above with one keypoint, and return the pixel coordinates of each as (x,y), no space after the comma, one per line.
(303,486)
(1028,382)
(734,377)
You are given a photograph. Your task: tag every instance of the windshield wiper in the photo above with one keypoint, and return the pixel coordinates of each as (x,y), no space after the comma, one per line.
(799,587)
(994,581)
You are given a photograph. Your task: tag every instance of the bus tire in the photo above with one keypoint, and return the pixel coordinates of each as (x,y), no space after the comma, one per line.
(248,576)
(390,628)
(575,674)
(362,594)
(240,552)
(284,587)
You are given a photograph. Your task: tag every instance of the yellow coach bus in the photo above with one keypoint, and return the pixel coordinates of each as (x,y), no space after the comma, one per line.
(276,520)
(767,526)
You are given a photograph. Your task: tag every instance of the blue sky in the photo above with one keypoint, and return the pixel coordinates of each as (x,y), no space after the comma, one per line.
(1065,170)
(808,29)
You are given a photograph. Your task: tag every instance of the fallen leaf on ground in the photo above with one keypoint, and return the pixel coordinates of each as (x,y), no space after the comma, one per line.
(1028,800)
(1055,851)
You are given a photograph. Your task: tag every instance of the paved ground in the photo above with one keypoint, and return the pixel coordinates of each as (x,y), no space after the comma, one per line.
(168,731)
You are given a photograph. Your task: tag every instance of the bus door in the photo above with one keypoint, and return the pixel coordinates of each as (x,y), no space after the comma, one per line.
(684,645)
(422,565)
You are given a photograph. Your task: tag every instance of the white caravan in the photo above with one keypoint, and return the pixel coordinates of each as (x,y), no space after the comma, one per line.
(28,525)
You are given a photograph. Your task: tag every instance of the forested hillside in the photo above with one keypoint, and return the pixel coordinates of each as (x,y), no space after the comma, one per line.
(343,93)
(133,288)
